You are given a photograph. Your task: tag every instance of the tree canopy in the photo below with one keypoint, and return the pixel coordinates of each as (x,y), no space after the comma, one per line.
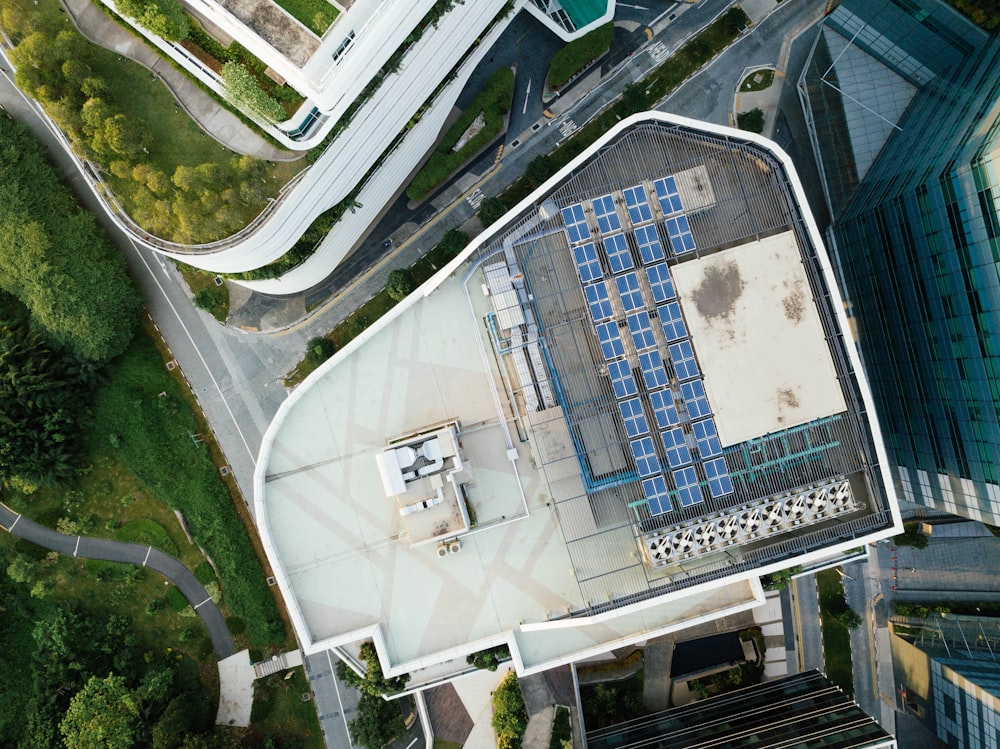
(54,258)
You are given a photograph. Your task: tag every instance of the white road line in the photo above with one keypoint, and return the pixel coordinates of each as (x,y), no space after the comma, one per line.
(77,546)
(13,524)
(203,602)
(333,675)
(142,257)
(148,552)
(527,93)
(412,742)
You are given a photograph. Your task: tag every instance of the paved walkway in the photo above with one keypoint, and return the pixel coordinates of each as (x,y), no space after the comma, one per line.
(117,551)
(216,120)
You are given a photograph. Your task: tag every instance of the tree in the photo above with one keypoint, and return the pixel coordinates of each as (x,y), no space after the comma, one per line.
(319,349)
(634,98)
(779,580)
(510,717)
(377,723)
(243,91)
(165,18)
(489,659)
(400,284)
(491,210)
(850,618)
(102,715)
(752,121)
(540,169)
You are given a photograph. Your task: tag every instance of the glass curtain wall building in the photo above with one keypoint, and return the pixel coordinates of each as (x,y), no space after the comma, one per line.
(917,246)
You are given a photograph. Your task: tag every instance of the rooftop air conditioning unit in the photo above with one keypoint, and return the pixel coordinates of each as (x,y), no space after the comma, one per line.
(442,550)
(455,546)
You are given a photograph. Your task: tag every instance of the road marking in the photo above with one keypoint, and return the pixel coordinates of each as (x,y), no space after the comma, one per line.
(77,546)
(527,93)
(412,742)
(203,602)
(142,257)
(13,524)
(659,52)
(148,551)
(475,198)
(567,128)
(636,7)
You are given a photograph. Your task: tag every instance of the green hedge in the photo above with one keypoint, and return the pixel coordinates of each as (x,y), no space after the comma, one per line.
(204,573)
(176,600)
(154,436)
(493,102)
(578,54)
(148,533)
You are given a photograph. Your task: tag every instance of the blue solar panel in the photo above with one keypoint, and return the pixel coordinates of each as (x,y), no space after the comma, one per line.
(645,456)
(638,206)
(610,339)
(653,373)
(599,301)
(619,258)
(604,212)
(622,381)
(672,321)
(676,446)
(650,249)
(628,290)
(641,330)
(679,232)
(682,356)
(576,223)
(655,490)
(664,411)
(719,483)
(660,283)
(666,193)
(687,486)
(695,399)
(633,418)
(587,264)
(707,438)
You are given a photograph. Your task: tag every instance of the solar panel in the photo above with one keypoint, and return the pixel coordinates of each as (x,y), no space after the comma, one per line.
(587,264)
(672,321)
(679,232)
(695,399)
(653,373)
(633,418)
(604,212)
(622,381)
(628,290)
(707,438)
(687,486)
(619,258)
(650,249)
(655,490)
(598,301)
(667,195)
(576,223)
(641,330)
(660,283)
(676,447)
(682,356)
(719,483)
(645,456)
(610,339)
(637,204)
(664,411)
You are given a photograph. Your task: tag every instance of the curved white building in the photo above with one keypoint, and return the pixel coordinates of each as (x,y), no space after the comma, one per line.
(603,421)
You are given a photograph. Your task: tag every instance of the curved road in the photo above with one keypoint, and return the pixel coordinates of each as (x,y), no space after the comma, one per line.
(118,551)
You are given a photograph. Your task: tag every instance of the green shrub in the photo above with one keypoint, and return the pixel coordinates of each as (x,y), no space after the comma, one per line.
(491,210)
(510,717)
(176,599)
(752,121)
(207,298)
(155,606)
(562,730)
(204,573)
(489,659)
(578,54)
(493,102)
(911,536)
(242,90)
(319,349)
(400,284)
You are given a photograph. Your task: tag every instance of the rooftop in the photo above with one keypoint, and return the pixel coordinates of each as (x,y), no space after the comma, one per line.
(602,422)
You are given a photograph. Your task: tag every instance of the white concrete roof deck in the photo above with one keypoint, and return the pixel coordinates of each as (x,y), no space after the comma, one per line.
(335,539)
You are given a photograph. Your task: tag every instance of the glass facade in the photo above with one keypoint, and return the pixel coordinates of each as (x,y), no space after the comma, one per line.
(918,247)
(804,711)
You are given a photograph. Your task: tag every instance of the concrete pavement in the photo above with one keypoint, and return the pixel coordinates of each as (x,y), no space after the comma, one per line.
(85,547)
(215,119)
(805,610)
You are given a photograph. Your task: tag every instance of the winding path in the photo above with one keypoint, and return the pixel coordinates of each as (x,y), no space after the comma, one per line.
(86,547)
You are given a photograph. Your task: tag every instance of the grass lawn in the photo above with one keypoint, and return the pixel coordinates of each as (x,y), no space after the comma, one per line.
(750,83)
(836,636)
(198,279)
(278,709)
(315,15)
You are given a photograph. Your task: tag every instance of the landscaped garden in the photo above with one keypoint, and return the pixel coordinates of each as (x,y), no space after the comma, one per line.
(578,54)
(836,634)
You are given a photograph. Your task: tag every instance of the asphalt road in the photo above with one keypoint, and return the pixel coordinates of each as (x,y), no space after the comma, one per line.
(85,547)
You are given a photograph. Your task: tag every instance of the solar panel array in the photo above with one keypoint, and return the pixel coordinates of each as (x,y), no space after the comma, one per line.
(643,338)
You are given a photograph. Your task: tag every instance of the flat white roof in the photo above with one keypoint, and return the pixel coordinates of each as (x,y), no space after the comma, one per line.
(758,337)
